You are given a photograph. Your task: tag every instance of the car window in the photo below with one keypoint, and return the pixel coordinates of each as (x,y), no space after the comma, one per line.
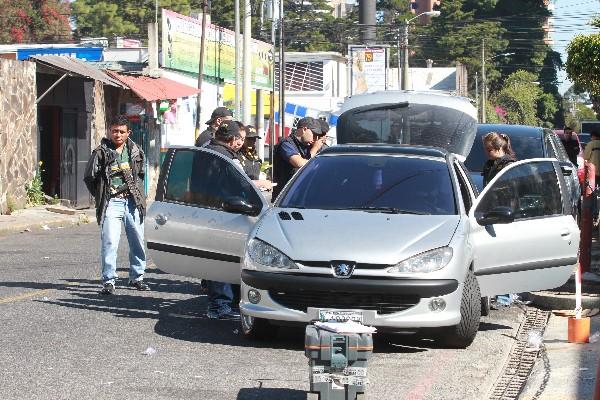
(409,184)
(403,123)
(206,180)
(530,190)
(524,146)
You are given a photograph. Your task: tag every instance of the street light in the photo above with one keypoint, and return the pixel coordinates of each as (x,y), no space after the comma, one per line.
(405,75)
(484,79)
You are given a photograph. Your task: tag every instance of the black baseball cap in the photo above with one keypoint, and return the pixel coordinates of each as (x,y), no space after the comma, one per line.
(219,112)
(310,123)
(251,132)
(324,126)
(227,131)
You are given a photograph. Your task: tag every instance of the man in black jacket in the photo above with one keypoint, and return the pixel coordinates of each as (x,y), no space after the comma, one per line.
(571,145)
(218,116)
(115,176)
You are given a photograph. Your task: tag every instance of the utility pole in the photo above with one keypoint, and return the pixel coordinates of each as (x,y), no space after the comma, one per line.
(483,82)
(477,93)
(201,65)
(405,74)
(247,63)
(238,83)
(398,59)
(281,71)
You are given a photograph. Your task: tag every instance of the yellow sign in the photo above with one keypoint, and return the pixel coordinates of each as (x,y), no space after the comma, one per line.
(229,100)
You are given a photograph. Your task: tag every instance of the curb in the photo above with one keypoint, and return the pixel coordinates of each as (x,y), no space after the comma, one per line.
(37,218)
(555,301)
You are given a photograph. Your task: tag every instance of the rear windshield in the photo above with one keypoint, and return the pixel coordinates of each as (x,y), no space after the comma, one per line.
(524,147)
(403,123)
(373,183)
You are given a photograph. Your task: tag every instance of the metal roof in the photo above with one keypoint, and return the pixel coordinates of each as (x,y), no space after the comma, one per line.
(151,89)
(76,66)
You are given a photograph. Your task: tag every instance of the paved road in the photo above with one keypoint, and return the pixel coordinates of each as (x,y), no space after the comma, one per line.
(62,340)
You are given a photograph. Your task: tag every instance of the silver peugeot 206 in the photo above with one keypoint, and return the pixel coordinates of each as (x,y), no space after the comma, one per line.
(391,235)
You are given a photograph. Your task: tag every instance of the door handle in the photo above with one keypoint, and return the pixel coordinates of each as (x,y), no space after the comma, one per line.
(161,219)
(565,233)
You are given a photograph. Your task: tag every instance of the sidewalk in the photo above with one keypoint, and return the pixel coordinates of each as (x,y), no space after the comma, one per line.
(44,217)
(567,371)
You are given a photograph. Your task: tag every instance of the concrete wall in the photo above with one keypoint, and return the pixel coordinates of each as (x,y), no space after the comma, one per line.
(18,131)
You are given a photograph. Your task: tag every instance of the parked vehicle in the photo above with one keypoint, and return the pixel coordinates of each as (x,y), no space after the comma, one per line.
(584,138)
(527,142)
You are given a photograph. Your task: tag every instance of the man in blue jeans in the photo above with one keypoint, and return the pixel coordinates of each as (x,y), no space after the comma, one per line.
(114,176)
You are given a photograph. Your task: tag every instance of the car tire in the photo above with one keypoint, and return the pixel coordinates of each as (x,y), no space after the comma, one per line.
(257,328)
(486,306)
(462,335)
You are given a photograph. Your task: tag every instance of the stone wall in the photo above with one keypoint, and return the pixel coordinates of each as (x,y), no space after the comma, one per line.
(99,120)
(18,132)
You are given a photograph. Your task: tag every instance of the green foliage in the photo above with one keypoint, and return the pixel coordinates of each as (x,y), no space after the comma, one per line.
(121,17)
(34,191)
(582,113)
(583,62)
(35,21)
(519,97)
(11,204)
(457,36)
(595,22)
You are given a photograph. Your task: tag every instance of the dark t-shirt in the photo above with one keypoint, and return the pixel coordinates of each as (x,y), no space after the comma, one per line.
(282,169)
(572,148)
(205,136)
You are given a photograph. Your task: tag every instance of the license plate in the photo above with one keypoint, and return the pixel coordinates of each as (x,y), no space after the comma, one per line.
(340,316)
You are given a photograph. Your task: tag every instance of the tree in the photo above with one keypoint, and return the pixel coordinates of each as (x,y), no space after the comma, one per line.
(35,21)
(457,36)
(522,99)
(583,65)
(123,17)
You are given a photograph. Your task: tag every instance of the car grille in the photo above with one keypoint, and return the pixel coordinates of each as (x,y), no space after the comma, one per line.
(382,303)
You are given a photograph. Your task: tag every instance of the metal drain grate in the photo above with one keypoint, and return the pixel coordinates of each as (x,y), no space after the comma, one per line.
(521,360)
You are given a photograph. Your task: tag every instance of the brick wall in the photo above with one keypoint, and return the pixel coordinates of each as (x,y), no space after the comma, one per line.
(18,131)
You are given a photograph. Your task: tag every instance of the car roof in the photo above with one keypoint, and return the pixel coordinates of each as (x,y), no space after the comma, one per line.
(383,148)
(412,96)
(510,130)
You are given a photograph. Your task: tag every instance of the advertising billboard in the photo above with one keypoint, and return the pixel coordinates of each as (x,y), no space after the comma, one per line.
(181,50)
(369,68)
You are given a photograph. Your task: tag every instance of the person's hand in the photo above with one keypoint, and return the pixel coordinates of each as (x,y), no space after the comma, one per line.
(264,184)
(317,144)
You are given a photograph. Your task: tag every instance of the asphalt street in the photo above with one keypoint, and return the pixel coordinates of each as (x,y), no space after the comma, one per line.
(62,340)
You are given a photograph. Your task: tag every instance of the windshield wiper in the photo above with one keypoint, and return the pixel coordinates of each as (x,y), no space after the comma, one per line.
(387,210)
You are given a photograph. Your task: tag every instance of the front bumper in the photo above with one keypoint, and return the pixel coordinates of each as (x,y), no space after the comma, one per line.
(389,302)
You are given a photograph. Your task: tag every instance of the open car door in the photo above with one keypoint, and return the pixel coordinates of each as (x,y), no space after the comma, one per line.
(524,238)
(205,208)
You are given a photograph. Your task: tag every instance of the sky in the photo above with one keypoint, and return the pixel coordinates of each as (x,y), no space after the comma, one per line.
(571,18)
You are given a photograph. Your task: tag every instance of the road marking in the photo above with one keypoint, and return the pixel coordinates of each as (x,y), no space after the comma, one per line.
(24,296)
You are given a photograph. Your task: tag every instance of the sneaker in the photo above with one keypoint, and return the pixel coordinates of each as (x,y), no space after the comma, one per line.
(139,285)
(108,288)
(223,316)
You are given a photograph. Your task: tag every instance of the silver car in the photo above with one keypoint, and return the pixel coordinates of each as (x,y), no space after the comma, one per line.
(389,235)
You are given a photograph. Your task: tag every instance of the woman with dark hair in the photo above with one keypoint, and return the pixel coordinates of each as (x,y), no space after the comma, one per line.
(499,153)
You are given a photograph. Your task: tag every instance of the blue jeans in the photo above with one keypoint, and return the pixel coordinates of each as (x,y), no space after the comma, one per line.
(220,297)
(122,211)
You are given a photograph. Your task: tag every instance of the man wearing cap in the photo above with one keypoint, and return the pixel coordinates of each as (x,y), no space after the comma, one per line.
(571,144)
(248,154)
(295,151)
(217,117)
(324,130)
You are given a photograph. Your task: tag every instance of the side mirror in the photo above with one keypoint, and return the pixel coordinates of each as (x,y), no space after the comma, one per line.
(567,168)
(238,205)
(499,215)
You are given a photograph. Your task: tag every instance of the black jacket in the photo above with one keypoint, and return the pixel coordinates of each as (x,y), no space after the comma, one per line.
(572,148)
(492,167)
(205,136)
(97,180)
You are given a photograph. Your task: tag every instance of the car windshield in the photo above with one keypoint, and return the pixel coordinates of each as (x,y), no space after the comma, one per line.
(404,123)
(524,147)
(373,183)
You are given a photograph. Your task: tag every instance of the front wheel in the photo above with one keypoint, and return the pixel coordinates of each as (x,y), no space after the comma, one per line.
(462,335)
(257,328)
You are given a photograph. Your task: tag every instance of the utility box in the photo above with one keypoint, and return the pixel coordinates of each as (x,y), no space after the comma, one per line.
(337,363)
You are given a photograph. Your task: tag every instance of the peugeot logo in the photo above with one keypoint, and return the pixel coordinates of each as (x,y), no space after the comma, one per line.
(342,269)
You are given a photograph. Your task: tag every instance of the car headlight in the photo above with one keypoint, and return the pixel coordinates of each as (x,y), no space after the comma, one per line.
(425,262)
(265,254)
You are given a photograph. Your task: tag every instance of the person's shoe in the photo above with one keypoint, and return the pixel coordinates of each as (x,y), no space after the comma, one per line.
(139,285)
(223,316)
(108,288)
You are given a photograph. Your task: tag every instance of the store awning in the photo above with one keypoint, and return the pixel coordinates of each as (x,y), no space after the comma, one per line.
(75,66)
(151,89)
